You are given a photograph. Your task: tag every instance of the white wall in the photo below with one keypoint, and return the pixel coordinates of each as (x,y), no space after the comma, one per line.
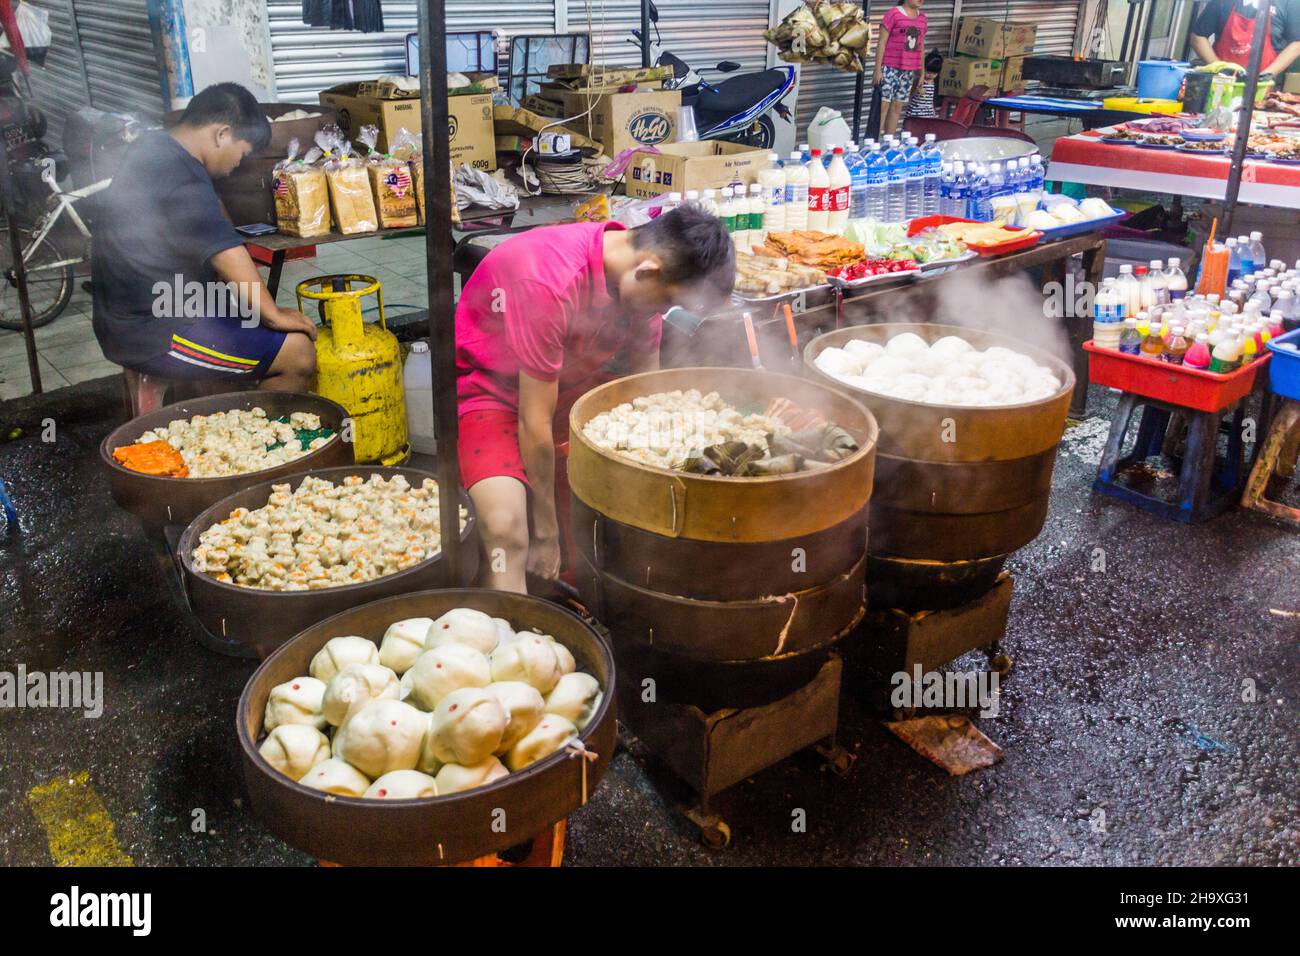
(228,41)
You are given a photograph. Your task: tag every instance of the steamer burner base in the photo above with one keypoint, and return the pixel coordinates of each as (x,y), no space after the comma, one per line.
(714,751)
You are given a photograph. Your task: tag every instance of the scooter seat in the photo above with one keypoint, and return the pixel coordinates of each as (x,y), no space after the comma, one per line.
(737,94)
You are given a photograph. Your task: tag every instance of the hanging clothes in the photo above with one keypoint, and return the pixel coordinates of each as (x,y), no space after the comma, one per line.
(366,16)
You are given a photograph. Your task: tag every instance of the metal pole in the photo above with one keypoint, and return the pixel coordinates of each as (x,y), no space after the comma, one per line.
(645,32)
(19,267)
(432,26)
(1243,119)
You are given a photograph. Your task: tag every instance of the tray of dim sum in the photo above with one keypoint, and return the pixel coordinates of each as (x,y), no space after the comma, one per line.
(428,728)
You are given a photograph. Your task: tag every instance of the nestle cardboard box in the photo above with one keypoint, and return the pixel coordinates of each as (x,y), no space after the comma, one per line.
(469,122)
(678,167)
(960,73)
(994,39)
(1013,74)
(620,121)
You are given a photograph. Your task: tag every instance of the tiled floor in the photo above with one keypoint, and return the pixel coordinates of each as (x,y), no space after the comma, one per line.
(69,353)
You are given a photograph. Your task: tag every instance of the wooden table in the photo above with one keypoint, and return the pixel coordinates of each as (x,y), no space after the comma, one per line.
(720,340)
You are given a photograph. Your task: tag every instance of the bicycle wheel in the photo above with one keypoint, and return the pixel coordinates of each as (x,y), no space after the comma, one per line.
(49,286)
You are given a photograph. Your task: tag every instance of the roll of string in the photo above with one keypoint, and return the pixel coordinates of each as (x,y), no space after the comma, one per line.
(563,177)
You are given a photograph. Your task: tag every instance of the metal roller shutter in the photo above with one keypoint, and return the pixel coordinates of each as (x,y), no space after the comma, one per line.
(701,34)
(310,59)
(60,85)
(122,65)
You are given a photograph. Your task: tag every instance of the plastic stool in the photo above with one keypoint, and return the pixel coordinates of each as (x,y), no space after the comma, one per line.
(1277,456)
(144,393)
(1207,484)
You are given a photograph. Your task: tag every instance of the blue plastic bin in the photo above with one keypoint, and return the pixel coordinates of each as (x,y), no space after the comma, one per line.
(1284,370)
(1160,79)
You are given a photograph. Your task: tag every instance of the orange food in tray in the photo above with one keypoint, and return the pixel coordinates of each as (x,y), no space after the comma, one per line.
(152,458)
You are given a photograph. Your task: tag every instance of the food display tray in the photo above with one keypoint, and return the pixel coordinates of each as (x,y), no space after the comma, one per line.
(1177,384)
(905,276)
(1284,372)
(1011,245)
(742,299)
(1088,225)
(966,256)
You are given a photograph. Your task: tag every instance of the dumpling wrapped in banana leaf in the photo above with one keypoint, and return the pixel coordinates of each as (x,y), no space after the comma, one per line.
(727,459)
(824,443)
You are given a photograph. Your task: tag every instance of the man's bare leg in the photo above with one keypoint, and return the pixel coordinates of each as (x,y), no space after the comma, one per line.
(501,508)
(293,367)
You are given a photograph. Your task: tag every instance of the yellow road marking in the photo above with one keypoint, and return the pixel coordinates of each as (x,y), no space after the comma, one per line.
(76,823)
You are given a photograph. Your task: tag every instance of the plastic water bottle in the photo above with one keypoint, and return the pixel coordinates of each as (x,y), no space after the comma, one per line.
(945,189)
(1234,260)
(857,164)
(877,184)
(417,384)
(914,192)
(1176,279)
(1257,249)
(896,194)
(978,206)
(796,193)
(997,179)
(1017,181)
(1245,254)
(1037,178)
(805,153)
(933,175)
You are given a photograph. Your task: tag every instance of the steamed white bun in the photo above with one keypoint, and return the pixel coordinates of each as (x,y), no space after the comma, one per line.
(293,749)
(906,344)
(505,633)
(864,351)
(446,668)
(453,778)
(464,625)
(575,698)
(531,659)
(382,736)
(355,686)
(467,727)
(402,785)
(336,776)
(550,735)
(297,701)
(523,705)
(950,347)
(338,653)
(403,642)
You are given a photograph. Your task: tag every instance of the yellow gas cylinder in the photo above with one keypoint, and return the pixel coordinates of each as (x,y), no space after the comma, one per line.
(359,366)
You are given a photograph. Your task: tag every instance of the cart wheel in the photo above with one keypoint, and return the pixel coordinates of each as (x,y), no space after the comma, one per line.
(715,835)
(1000,664)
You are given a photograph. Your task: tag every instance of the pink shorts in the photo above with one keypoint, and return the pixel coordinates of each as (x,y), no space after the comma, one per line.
(489,447)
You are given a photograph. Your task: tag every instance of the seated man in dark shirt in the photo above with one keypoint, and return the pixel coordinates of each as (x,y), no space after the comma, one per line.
(176,294)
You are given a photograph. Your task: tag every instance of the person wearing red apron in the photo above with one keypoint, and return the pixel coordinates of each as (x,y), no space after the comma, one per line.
(1232,24)
(547,316)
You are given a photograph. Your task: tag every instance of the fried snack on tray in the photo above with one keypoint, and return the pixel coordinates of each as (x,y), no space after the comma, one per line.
(811,248)
(152,458)
(762,275)
(979,234)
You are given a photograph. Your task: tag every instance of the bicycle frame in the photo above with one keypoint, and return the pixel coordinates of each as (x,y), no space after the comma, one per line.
(64,202)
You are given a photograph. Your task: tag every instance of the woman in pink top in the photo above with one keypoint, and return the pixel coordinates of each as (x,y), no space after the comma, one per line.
(545,317)
(900,50)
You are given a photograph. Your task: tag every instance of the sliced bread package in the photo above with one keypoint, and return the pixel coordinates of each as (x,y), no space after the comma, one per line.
(390,183)
(349,184)
(302,204)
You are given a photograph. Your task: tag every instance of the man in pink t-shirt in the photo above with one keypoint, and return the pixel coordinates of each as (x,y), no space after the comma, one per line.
(546,316)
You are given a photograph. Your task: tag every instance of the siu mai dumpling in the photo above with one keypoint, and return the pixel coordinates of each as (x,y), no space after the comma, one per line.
(403,642)
(402,785)
(338,653)
(453,778)
(382,736)
(448,667)
(523,705)
(468,725)
(464,625)
(575,698)
(355,686)
(296,701)
(550,735)
(293,749)
(336,776)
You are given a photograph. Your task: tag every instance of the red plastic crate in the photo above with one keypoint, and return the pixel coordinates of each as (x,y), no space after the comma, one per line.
(1177,384)
(1011,245)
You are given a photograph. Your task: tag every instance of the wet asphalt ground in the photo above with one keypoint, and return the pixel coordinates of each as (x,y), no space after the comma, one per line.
(1150,718)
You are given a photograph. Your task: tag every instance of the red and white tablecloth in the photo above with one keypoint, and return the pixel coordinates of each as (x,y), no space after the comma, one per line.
(1084,158)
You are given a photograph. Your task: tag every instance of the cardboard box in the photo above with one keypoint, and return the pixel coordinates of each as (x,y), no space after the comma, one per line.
(1013,74)
(994,39)
(622,121)
(960,73)
(470,123)
(516,121)
(678,167)
(1291,82)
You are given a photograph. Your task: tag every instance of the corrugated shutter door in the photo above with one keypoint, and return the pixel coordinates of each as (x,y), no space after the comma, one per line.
(59,85)
(701,34)
(122,65)
(1056,19)
(310,59)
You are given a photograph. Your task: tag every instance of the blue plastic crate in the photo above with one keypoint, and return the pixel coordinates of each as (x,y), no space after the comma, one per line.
(1284,370)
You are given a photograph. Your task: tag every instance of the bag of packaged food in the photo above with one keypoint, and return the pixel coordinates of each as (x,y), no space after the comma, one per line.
(349,184)
(302,204)
(406,146)
(390,182)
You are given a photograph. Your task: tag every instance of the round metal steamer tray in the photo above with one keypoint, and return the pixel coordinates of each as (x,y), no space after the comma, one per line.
(732,510)
(976,498)
(435,830)
(262,620)
(157,501)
